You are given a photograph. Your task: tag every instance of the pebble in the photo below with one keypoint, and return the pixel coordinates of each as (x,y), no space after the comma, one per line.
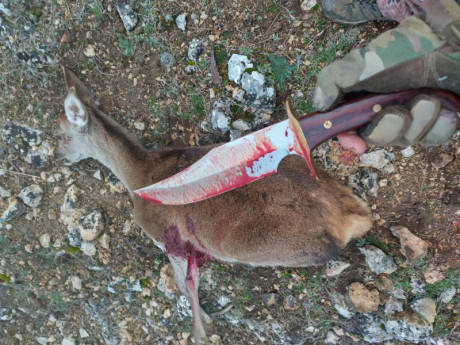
(408,152)
(379,159)
(83,333)
(448,295)
(195,49)
(270,298)
(52,214)
(377,260)
(31,195)
(44,240)
(140,126)
(76,282)
(307,5)
(127,15)
(88,248)
(42,340)
(331,338)
(4,193)
(14,210)
(442,160)
(167,60)
(68,341)
(98,175)
(104,241)
(363,299)
(290,303)
(181,21)
(91,225)
(89,51)
(334,268)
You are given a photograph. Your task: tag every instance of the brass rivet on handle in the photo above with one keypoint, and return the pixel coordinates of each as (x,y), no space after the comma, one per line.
(327,124)
(376,108)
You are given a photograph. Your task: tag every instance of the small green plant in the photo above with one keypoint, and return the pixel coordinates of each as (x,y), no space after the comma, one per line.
(280,69)
(127,45)
(273,8)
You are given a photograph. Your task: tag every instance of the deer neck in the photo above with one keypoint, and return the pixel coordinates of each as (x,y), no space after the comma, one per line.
(115,148)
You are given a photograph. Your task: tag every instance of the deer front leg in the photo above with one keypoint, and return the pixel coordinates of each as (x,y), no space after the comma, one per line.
(186,275)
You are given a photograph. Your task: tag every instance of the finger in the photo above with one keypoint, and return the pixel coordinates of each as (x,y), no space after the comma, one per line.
(387,127)
(444,127)
(353,142)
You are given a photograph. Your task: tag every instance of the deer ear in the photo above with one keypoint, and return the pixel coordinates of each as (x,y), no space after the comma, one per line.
(75,111)
(83,93)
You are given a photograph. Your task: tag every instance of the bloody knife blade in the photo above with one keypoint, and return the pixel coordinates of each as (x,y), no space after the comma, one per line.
(258,154)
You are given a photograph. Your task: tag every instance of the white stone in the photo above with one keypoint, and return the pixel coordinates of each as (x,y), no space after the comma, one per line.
(307,5)
(45,240)
(140,126)
(91,225)
(83,333)
(89,51)
(68,341)
(31,195)
(88,248)
(408,152)
(181,21)
(76,282)
(236,67)
(98,175)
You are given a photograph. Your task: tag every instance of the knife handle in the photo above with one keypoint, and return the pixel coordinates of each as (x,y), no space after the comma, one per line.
(321,126)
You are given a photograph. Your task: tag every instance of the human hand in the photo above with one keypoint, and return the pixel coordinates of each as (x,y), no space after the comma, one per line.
(411,56)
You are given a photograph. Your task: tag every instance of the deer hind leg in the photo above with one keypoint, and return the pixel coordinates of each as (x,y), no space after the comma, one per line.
(186,275)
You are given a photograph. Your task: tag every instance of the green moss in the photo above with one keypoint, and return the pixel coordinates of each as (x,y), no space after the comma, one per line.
(4,278)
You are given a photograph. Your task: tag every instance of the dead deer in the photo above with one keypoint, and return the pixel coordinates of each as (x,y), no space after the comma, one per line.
(287,219)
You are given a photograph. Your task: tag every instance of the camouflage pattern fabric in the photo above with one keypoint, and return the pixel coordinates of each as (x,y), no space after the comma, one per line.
(420,52)
(410,56)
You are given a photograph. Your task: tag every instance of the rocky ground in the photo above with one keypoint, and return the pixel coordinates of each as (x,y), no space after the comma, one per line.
(75,269)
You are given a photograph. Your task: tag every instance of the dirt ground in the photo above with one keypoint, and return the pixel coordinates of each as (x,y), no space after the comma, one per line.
(122,298)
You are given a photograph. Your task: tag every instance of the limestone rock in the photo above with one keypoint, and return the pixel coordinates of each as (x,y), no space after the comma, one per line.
(379,159)
(31,195)
(91,225)
(363,299)
(181,21)
(442,160)
(237,66)
(408,326)
(425,307)
(44,240)
(128,16)
(371,328)
(334,268)
(377,260)
(14,210)
(88,248)
(414,248)
(448,295)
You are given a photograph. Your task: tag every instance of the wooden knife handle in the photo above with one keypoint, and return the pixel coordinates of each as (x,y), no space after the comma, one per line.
(321,126)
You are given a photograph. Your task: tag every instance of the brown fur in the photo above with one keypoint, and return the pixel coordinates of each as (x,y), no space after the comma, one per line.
(287,219)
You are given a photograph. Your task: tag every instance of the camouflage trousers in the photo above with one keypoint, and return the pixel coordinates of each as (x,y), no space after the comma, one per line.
(411,56)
